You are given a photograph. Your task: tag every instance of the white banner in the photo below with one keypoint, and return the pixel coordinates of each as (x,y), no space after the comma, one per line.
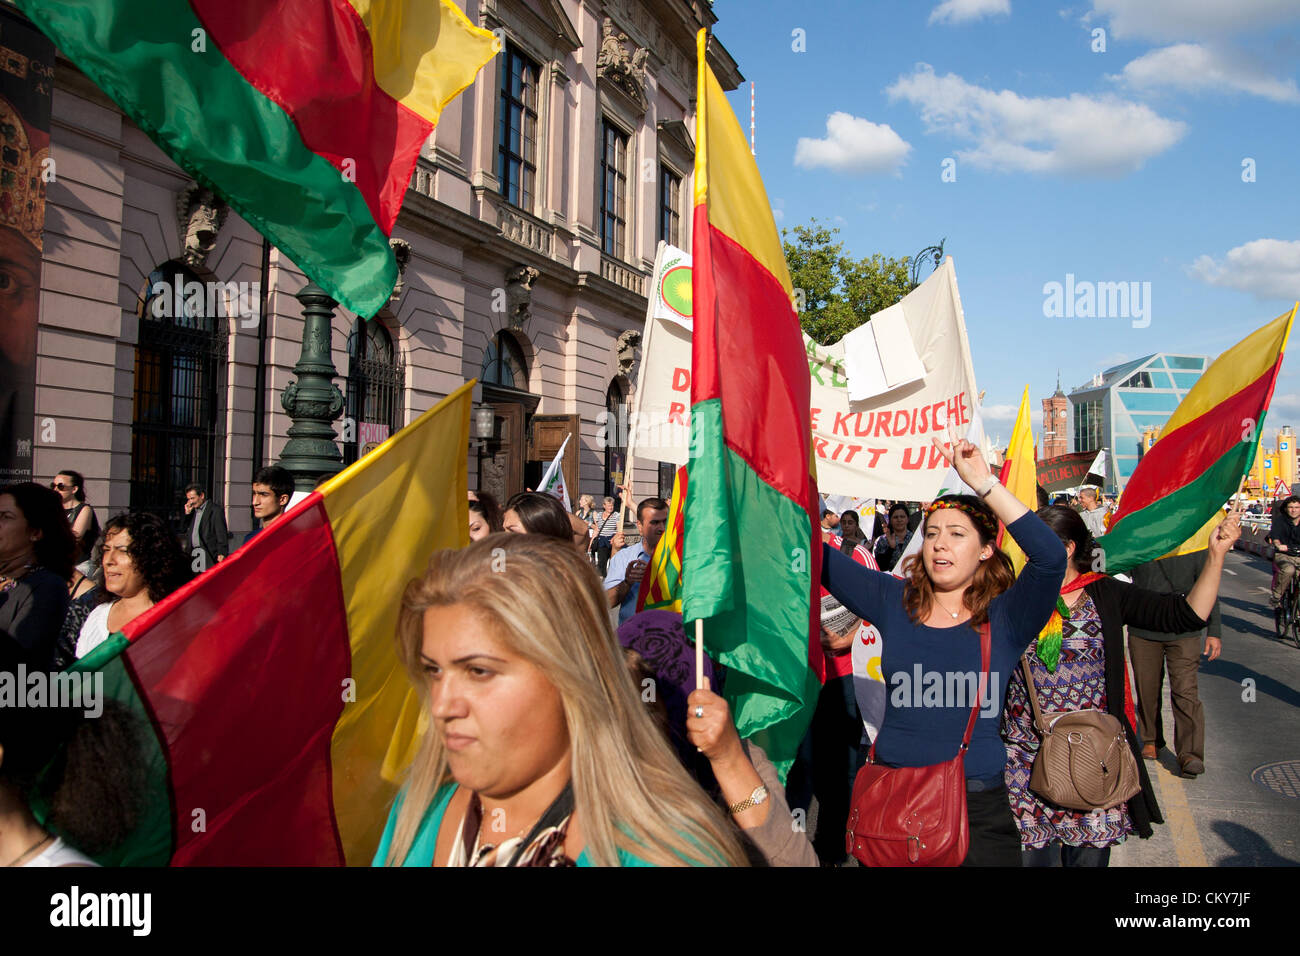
(880,447)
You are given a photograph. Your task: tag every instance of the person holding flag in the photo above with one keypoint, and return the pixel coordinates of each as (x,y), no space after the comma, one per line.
(930,622)
(628,566)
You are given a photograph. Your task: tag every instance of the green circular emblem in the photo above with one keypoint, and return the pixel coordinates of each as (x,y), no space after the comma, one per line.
(676,290)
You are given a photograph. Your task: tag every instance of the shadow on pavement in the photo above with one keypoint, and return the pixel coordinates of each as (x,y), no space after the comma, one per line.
(1230,670)
(1251,848)
(1249,627)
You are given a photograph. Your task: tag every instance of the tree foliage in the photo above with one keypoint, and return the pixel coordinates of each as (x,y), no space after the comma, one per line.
(836,292)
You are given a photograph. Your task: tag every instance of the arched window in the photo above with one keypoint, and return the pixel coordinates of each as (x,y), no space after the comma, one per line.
(375,383)
(180,361)
(615,438)
(503,363)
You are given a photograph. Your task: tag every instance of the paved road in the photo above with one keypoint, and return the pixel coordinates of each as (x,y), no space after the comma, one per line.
(1252,710)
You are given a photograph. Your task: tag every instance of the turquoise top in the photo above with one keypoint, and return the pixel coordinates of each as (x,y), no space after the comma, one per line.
(427,836)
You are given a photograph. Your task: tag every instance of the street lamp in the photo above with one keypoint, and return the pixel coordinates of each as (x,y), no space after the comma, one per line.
(935,252)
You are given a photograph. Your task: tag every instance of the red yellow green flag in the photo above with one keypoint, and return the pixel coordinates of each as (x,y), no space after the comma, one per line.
(752,552)
(661,585)
(306,115)
(1204,449)
(279,718)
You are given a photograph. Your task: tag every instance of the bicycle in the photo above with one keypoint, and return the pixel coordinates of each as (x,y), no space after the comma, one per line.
(1286,618)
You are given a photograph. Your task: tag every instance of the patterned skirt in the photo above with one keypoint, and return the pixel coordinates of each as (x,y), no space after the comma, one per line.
(1078,684)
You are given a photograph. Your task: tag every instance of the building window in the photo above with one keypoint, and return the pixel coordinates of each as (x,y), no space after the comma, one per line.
(1088,430)
(517,135)
(1138,380)
(375,383)
(615,438)
(179,363)
(503,363)
(670,206)
(613,194)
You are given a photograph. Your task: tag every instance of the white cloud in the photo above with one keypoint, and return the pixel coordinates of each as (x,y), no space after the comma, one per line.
(1076,135)
(1284,403)
(999,413)
(1192,19)
(963,11)
(1267,268)
(1193,67)
(853,145)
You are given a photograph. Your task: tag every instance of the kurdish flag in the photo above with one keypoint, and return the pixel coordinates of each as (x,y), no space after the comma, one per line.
(306,115)
(1020,476)
(1203,450)
(661,585)
(752,553)
(278,717)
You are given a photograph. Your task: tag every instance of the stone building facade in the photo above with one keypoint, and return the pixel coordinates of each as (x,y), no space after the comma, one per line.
(528,233)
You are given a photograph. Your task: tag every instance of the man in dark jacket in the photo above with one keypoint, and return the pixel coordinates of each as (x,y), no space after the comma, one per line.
(206,537)
(1173,575)
(1284,535)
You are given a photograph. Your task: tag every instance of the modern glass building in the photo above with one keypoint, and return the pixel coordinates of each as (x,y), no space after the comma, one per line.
(1113,410)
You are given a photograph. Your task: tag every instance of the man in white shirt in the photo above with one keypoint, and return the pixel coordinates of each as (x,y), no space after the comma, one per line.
(1092,513)
(628,566)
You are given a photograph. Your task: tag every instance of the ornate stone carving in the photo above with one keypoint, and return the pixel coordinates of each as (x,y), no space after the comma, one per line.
(402,252)
(200,214)
(519,294)
(629,352)
(626,71)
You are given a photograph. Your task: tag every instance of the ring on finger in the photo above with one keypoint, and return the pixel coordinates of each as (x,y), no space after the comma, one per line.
(699,711)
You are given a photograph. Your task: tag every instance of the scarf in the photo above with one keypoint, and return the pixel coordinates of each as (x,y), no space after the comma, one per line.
(542,847)
(1053,632)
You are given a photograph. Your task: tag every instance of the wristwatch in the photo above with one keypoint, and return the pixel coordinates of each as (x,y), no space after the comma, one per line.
(759,796)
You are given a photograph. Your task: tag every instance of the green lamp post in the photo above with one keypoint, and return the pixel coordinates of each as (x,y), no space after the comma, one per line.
(313,401)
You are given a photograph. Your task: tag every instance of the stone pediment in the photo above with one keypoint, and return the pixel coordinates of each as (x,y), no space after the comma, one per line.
(548,22)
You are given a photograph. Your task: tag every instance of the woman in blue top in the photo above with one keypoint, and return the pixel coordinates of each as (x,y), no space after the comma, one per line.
(539,751)
(929,623)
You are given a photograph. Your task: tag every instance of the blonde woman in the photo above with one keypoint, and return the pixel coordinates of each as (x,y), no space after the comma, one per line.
(539,750)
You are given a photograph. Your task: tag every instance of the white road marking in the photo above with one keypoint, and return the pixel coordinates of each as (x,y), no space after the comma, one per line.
(1230,571)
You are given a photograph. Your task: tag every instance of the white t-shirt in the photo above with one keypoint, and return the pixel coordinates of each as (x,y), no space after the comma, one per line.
(95,631)
(59,853)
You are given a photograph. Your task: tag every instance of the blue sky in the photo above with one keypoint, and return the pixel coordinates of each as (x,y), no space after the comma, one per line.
(1117,166)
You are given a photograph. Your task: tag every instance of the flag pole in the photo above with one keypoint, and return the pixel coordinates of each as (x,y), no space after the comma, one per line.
(700,683)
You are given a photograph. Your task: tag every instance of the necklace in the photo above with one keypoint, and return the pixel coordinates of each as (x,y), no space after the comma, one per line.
(940,603)
(43,840)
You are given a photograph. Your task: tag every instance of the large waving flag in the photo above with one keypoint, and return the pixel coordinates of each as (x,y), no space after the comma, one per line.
(752,554)
(1020,476)
(306,115)
(1203,450)
(279,719)
(661,585)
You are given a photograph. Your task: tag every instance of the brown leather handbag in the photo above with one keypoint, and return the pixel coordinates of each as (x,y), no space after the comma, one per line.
(1084,761)
(915,816)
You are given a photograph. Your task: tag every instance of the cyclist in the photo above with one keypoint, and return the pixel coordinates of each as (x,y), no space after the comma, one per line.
(1285,538)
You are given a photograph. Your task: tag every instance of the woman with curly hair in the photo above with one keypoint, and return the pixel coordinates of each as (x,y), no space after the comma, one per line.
(143,563)
(930,624)
(36,557)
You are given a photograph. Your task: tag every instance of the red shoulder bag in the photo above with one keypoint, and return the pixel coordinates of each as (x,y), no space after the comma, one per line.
(915,816)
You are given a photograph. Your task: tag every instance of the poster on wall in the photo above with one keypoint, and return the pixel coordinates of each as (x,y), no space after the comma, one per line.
(26,89)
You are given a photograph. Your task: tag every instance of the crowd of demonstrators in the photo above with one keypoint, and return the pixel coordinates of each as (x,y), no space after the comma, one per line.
(205,533)
(1180,653)
(484,515)
(891,545)
(1079,664)
(930,620)
(70,486)
(628,566)
(37,554)
(143,563)
(536,726)
(85,768)
(272,489)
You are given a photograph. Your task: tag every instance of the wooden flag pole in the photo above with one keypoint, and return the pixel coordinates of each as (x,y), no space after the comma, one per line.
(700,683)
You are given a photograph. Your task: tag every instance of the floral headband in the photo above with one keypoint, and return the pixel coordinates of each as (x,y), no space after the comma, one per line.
(978,516)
